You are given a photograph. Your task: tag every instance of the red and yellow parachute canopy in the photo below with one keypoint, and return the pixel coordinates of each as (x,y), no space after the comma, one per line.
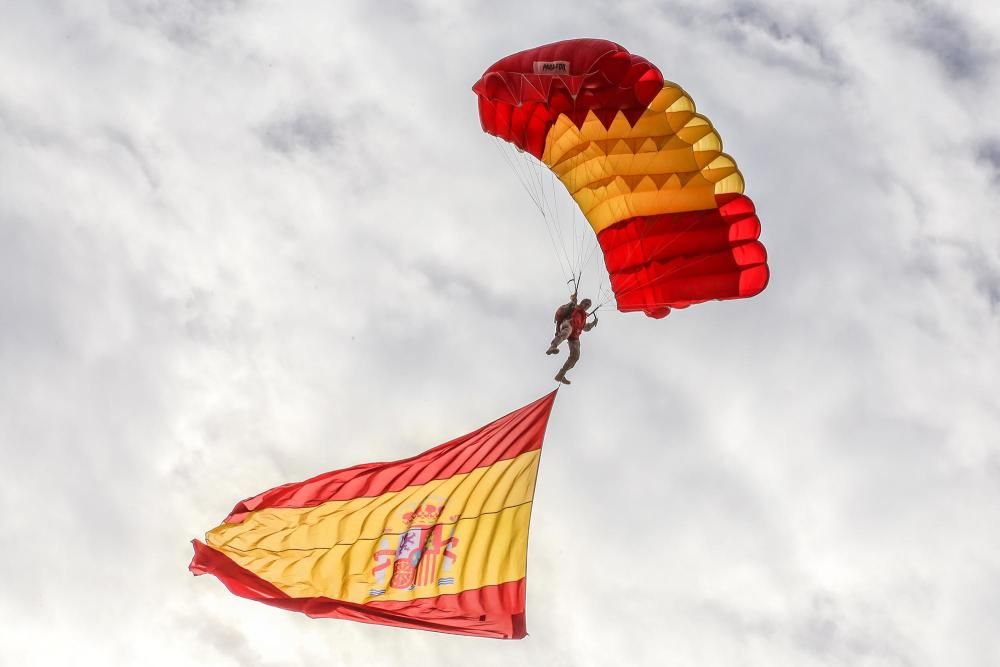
(647,171)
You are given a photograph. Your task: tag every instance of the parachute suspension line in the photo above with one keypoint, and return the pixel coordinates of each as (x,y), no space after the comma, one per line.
(608,297)
(590,254)
(555,207)
(551,204)
(556,219)
(524,173)
(584,248)
(524,180)
(572,225)
(520,177)
(571,191)
(588,250)
(600,289)
(572,197)
(604,160)
(535,168)
(569,221)
(561,222)
(605,300)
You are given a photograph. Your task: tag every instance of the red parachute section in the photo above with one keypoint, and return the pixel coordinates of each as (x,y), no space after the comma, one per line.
(521,95)
(674,260)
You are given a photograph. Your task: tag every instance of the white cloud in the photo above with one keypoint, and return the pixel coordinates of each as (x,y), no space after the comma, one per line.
(244,243)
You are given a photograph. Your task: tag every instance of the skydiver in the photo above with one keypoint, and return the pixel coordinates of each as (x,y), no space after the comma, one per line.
(563,326)
(571,321)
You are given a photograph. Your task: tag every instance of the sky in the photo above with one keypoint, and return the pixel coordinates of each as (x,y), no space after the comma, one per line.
(246,242)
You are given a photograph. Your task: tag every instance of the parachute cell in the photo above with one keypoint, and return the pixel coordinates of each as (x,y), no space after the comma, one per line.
(647,171)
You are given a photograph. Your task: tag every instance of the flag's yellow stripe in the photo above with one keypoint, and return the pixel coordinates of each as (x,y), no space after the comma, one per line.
(328,550)
(670,161)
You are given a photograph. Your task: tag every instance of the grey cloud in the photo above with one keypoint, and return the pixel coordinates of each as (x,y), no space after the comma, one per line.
(837,636)
(990,286)
(777,27)
(959,47)
(185,22)
(138,158)
(816,625)
(302,131)
(989,154)
(773,35)
(398,11)
(21,125)
(987,278)
(228,641)
(822,61)
(461,287)
(935,257)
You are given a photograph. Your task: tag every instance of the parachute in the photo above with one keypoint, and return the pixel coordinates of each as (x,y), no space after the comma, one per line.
(647,171)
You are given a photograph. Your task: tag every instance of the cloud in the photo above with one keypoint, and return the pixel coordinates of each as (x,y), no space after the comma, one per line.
(187,23)
(243,243)
(989,154)
(959,48)
(313,132)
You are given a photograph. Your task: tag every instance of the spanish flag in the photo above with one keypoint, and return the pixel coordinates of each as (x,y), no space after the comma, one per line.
(438,541)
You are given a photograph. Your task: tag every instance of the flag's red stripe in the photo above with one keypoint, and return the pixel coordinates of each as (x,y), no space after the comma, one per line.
(491,611)
(508,437)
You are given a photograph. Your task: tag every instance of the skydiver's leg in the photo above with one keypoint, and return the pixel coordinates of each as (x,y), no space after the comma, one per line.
(561,334)
(574,356)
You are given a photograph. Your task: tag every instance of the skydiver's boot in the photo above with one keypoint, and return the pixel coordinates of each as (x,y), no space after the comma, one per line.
(561,378)
(552,350)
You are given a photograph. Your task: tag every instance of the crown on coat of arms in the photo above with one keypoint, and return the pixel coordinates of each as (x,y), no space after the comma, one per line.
(427,515)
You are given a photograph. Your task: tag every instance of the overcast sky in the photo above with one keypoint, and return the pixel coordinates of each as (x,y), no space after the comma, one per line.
(246,242)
